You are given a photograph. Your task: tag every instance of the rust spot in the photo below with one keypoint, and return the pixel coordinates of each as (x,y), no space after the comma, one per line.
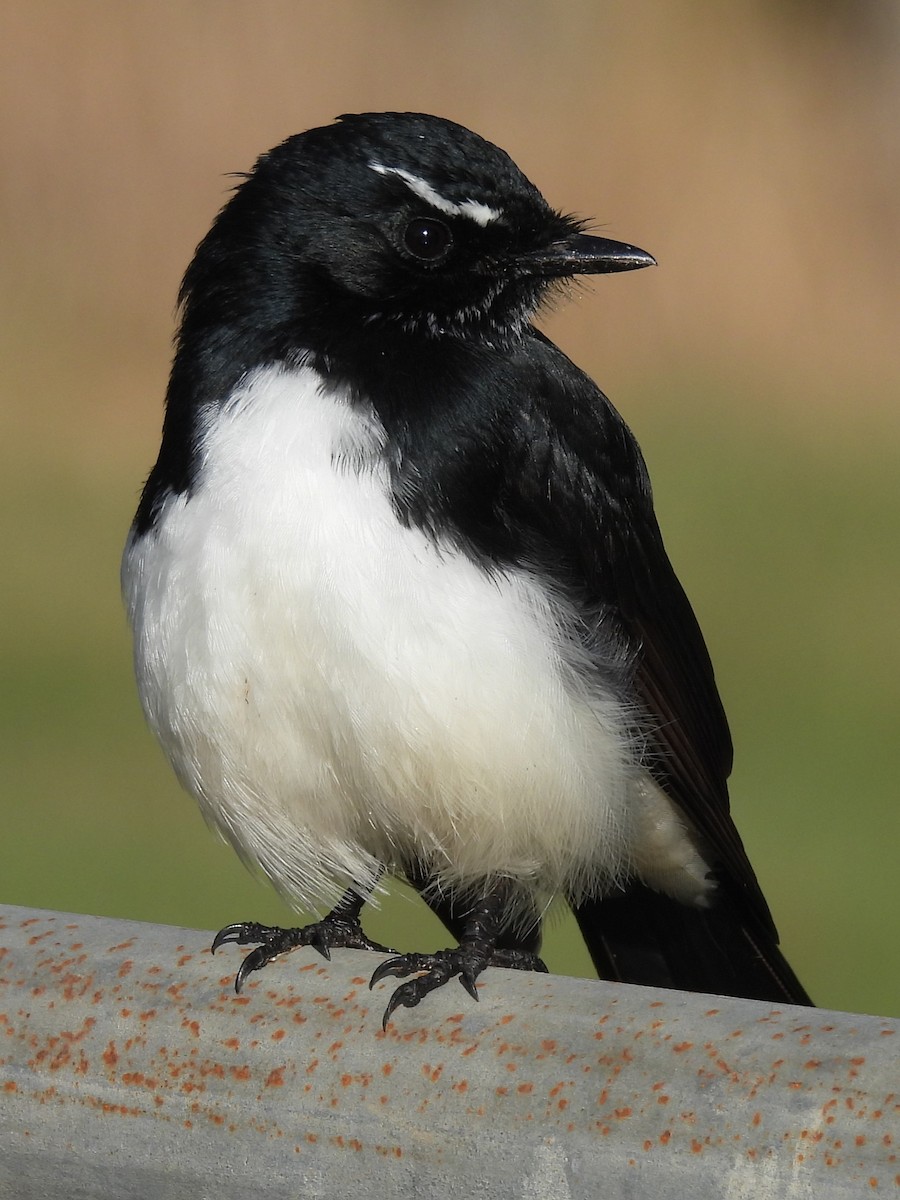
(10,1086)
(387,1068)
(682,1046)
(696,1147)
(241,1073)
(665,1137)
(622,1114)
(525,1089)
(192,1026)
(548,1046)
(860,1139)
(111,1055)
(277,1035)
(276,1077)
(501,1091)
(505,1020)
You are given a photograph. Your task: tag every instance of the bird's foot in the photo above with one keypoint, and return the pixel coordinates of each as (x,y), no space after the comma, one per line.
(431,971)
(341,929)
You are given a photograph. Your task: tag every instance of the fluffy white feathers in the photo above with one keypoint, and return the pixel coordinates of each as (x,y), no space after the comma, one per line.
(340,693)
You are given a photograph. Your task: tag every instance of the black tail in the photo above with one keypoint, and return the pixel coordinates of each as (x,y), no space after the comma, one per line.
(644,937)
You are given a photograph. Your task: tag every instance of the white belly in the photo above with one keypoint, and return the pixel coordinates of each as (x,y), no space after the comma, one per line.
(340,693)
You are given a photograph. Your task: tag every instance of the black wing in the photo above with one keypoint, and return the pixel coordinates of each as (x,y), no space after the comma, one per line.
(586,491)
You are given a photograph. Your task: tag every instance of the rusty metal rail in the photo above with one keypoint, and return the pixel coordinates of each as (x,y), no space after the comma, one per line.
(128,1068)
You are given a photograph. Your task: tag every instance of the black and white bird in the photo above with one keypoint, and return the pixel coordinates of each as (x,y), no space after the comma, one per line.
(399,598)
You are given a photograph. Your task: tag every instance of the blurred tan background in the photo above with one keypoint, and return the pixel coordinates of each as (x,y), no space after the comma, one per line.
(753,147)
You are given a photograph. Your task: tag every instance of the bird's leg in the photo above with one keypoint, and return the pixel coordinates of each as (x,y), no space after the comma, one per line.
(478,948)
(340,929)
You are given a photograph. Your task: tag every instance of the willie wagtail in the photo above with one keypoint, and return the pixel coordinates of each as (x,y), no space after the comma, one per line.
(399,598)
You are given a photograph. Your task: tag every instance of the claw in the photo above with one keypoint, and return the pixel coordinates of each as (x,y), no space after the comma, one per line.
(468,982)
(397,967)
(395,1001)
(231,933)
(321,944)
(255,959)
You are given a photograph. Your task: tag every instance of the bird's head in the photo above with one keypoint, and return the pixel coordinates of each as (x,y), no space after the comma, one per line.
(389,221)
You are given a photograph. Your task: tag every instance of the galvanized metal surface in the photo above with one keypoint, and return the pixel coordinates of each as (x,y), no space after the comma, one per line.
(128,1068)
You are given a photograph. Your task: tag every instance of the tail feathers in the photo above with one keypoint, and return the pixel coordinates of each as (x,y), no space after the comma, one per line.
(647,938)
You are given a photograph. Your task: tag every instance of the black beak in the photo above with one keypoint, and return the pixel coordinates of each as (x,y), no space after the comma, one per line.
(584,255)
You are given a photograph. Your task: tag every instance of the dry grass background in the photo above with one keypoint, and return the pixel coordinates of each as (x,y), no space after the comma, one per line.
(753,147)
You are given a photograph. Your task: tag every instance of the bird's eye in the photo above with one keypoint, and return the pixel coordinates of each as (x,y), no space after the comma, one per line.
(427,239)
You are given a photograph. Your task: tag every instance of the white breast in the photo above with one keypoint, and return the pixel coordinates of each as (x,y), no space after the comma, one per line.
(340,693)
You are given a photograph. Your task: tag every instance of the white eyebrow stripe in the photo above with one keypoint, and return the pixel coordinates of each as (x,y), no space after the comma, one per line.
(481,214)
